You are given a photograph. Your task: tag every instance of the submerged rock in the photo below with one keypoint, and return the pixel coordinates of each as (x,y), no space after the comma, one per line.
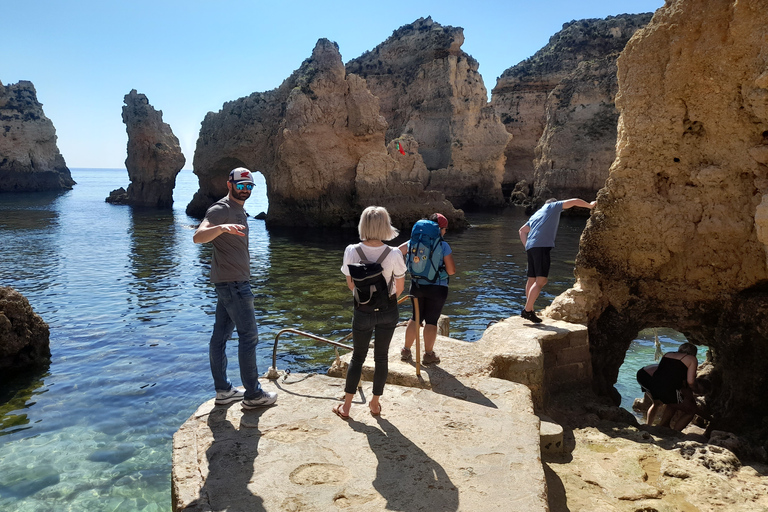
(29,157)
(24,336)
(154,156)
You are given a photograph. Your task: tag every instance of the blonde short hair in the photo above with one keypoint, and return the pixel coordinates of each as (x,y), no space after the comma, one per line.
(375,224)
(687,348)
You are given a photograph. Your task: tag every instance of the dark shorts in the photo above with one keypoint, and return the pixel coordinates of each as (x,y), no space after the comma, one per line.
(432,298)
(538,261)
(665,395)
(644,379)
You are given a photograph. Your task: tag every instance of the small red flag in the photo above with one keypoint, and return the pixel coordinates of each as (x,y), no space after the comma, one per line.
(400,148)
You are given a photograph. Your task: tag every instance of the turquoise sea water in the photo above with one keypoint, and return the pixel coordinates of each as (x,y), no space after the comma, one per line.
(126,295)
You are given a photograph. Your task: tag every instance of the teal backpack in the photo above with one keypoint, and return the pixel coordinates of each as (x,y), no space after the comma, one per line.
(425,253)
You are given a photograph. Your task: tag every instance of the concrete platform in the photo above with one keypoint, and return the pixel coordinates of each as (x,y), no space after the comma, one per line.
(427,451)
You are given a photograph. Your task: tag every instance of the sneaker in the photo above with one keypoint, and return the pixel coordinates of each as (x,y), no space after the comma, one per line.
(429,358)
(530,315)
(266,398)
(227,397)
(405,354)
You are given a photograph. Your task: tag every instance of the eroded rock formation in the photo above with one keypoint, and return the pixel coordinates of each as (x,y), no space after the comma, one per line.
(24,336)
(29,158)
(429,88)
(558,105)
(678,235)
(154,156)
(318,139)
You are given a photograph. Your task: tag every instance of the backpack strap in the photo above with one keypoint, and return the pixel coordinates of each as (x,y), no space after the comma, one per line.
(359,249)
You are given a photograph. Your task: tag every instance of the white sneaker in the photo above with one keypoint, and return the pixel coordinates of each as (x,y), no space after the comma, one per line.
(267,398)
(227,397)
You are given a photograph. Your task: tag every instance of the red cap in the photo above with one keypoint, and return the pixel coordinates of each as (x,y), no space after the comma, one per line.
(441,220)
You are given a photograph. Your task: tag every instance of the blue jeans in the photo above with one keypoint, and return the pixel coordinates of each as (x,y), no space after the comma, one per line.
(235,309)
(363,325)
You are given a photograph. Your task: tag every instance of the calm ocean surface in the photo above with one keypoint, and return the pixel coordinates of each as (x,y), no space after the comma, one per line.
(125,292)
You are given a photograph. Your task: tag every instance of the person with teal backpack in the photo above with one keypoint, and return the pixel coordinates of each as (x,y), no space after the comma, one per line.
(429,260)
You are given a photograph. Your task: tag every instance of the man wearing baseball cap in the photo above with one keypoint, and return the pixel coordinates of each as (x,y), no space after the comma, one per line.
(226,226)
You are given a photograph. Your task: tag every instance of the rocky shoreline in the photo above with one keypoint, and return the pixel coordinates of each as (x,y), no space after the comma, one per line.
(612,465)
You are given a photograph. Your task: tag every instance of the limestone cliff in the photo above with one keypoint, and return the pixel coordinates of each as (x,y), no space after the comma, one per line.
(29,158)
(578,144)
(678,235)
(154,156)
(430,89)
(318,139)
(553,90)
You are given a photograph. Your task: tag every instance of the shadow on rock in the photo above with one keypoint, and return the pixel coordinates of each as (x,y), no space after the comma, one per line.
(406,476)
(230,465)
(447,384)
(556,497)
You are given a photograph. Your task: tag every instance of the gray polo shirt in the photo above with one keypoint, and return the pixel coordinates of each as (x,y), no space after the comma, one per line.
(231,260)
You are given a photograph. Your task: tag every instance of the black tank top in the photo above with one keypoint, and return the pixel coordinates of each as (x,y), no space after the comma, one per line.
(671,373)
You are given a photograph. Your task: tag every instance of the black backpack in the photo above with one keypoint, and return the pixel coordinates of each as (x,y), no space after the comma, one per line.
(371,290)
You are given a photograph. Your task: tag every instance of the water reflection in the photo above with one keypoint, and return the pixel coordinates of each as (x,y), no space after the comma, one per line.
(18,393)
(154,260)
(30,227)
(302,287)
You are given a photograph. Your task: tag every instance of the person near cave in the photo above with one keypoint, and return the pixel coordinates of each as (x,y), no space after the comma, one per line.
(645,378)
(673,384)
(538,237)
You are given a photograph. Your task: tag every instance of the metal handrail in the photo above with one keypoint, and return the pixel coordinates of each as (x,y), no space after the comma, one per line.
(308,335)
(272,373)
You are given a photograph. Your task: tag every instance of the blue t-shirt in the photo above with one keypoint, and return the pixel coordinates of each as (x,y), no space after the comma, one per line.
(544,225)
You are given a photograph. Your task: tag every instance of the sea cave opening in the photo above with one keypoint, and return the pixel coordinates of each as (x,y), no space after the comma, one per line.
(649,344)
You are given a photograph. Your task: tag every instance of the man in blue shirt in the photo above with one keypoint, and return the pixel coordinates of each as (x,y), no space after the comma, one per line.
(538,237)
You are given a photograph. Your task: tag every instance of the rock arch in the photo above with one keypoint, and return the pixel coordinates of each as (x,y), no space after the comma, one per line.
(318,139)
(675,238)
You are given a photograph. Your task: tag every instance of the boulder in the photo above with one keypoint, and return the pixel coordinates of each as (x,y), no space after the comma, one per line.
(675,239)
(24,342)
(564,90)
(431,89)
(154,156)
(30,161)
(318,139)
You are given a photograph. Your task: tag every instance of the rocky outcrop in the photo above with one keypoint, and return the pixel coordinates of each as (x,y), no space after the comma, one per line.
(154,156)
(558,106)
(430,89)
(29,158)
(676,239)
(578,144)
(24,342)
(318,139)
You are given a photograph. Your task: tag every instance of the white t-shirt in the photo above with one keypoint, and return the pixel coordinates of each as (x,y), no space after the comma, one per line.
(393,265)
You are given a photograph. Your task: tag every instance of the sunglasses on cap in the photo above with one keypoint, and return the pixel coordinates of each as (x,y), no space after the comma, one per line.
(244,186)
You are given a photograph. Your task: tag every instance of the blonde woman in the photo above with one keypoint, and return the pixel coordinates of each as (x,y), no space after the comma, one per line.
(375,228)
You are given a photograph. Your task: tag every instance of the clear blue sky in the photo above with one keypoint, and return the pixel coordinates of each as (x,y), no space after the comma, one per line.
(190,56)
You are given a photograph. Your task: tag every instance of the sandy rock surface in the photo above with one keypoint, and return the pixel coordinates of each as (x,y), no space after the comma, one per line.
(611,466)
